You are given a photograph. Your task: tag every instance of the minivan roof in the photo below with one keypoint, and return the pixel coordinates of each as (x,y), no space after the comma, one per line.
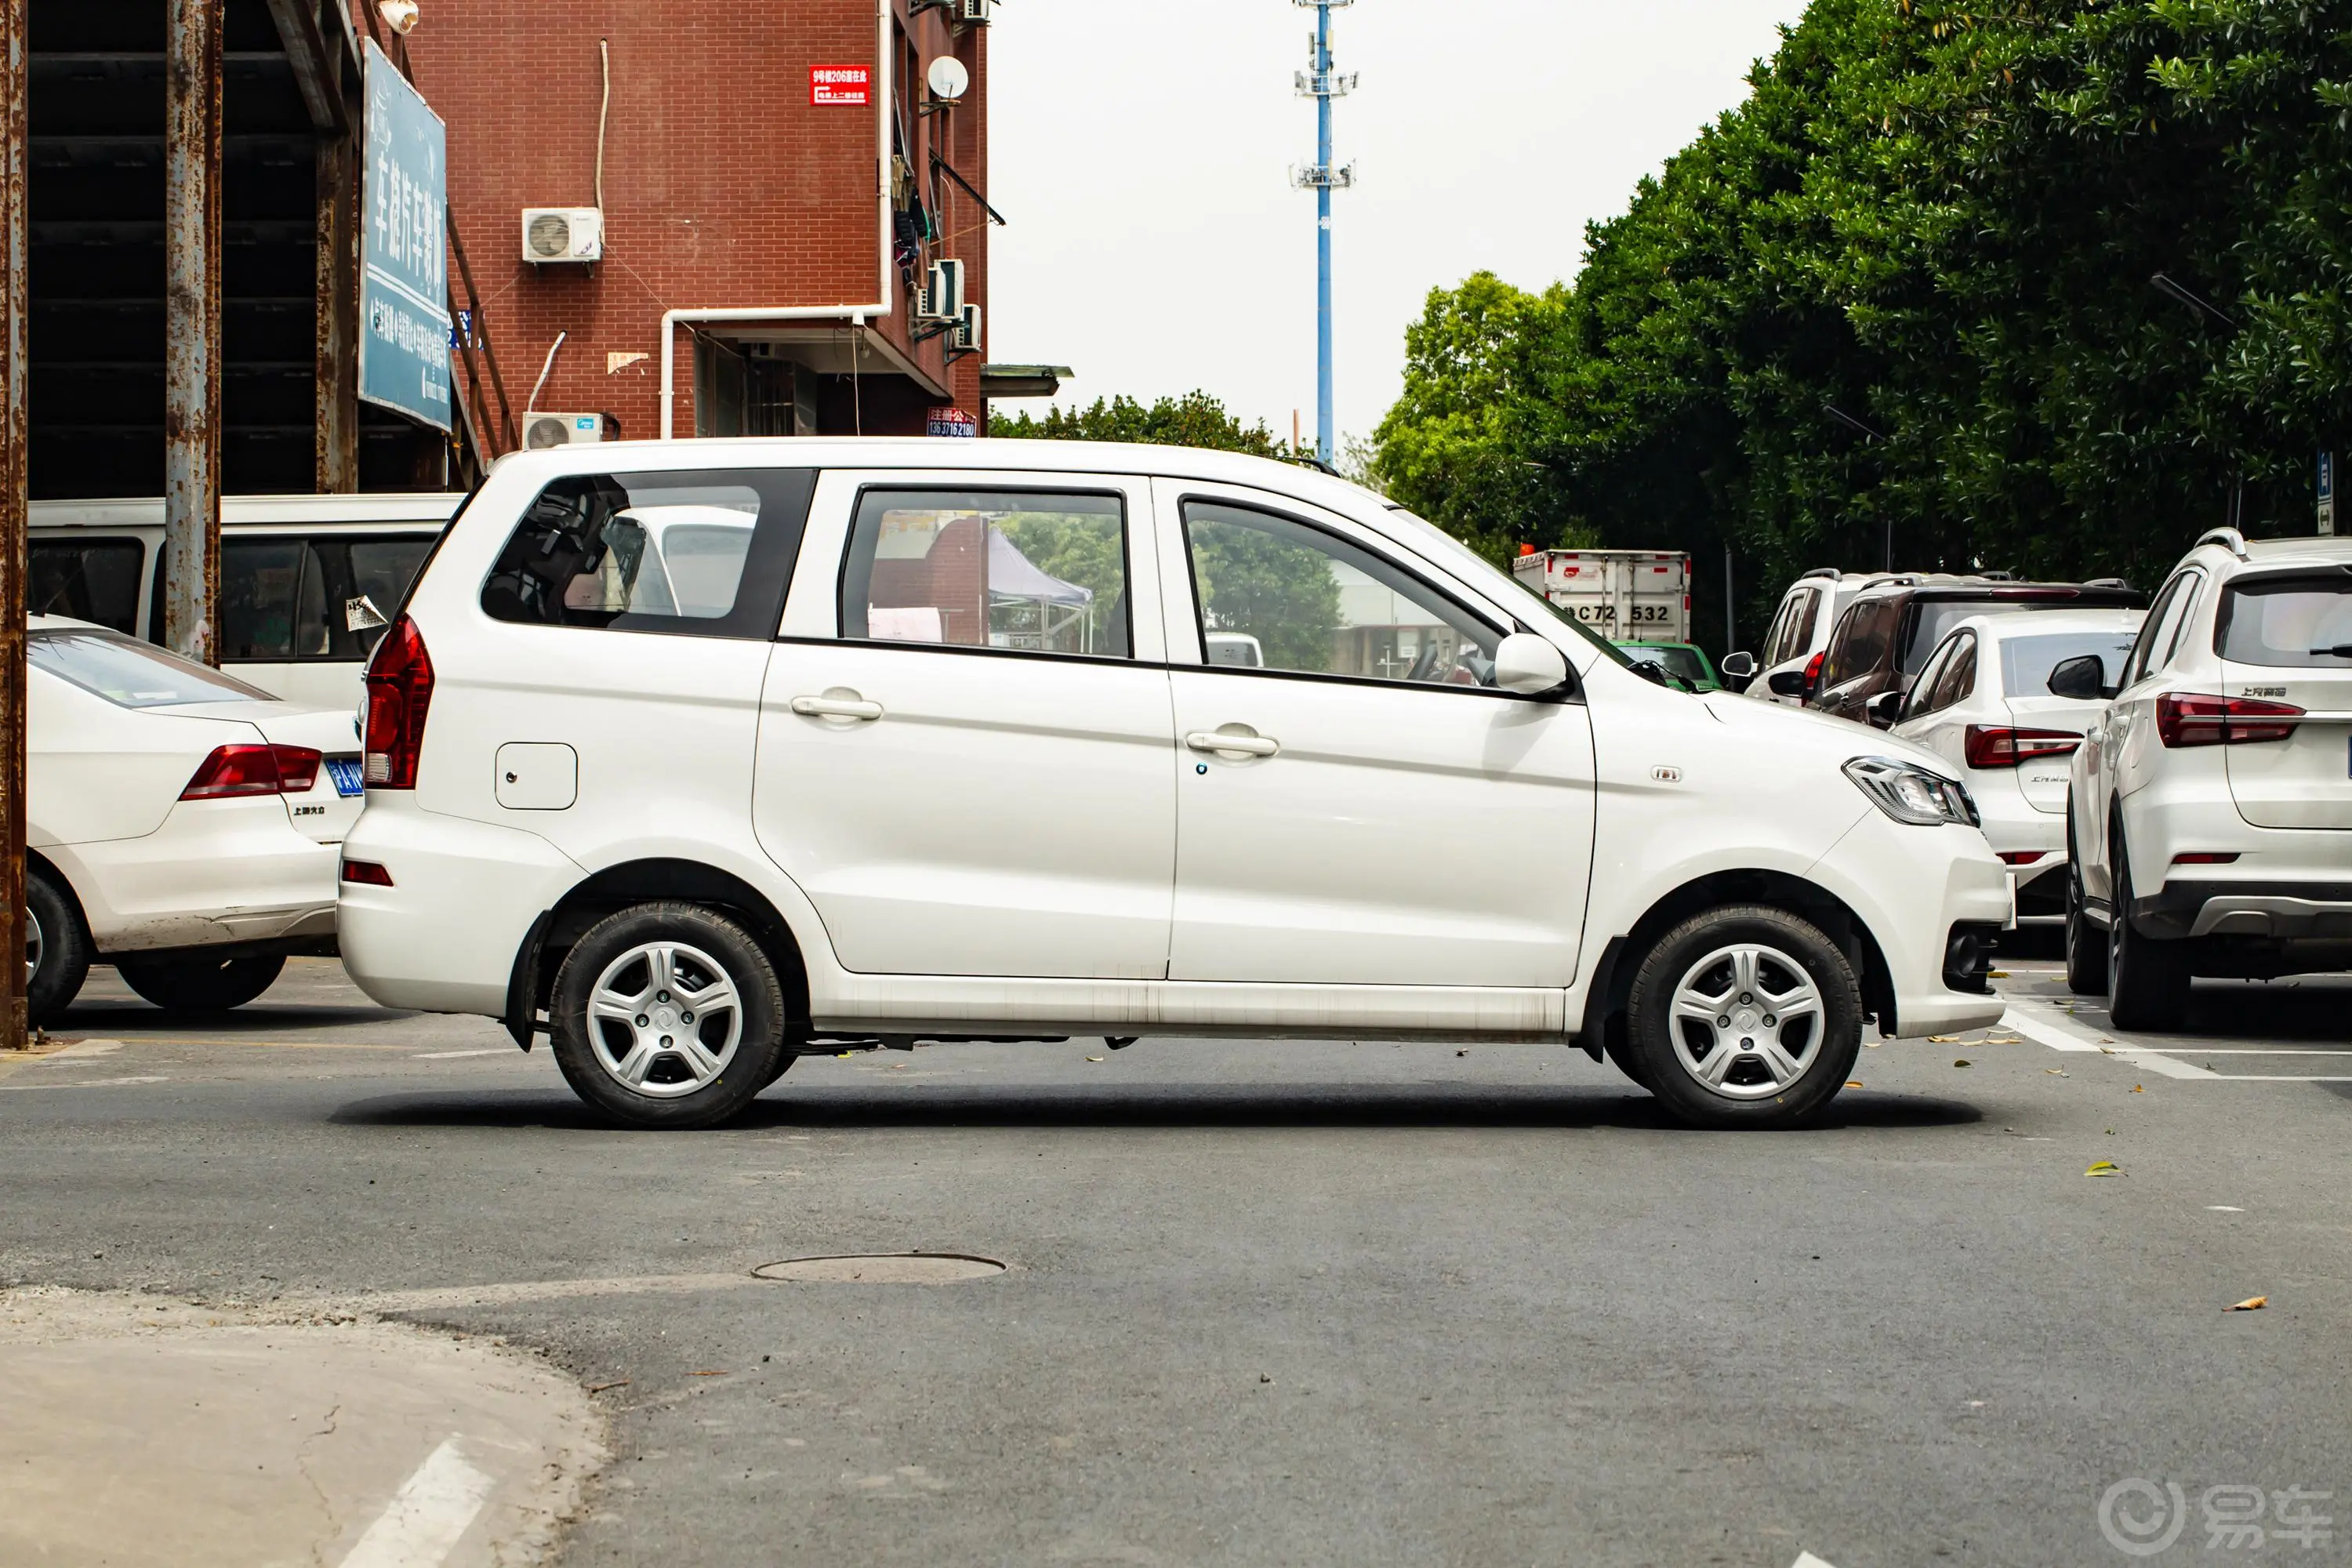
(147,512)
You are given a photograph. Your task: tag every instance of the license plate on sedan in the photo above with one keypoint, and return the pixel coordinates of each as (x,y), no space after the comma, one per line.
(345,772)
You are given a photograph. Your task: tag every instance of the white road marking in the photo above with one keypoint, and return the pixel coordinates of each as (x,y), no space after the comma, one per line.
(432,1508)
(1807,1560)
(2049,1031)
(85,1048)
(2224,1209)
(552,1289)
(84,1083)
(452,1055)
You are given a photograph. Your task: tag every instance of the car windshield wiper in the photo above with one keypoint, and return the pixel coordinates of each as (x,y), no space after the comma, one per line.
(2341,650)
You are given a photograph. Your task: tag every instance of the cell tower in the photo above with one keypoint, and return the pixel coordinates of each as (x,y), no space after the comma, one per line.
(1323,84)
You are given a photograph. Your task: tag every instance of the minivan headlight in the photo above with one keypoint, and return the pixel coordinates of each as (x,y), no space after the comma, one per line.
(1910,793)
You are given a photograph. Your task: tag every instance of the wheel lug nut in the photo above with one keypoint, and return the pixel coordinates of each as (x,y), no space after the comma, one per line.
(643,1020)
(664,996)
(1724,1022)
(1745,998)
(1768,1020)
(1744,1045)
(688,1018)
(665,1040)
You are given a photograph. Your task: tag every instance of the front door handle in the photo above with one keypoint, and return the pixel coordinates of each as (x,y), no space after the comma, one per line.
(838,704)
(1234,741)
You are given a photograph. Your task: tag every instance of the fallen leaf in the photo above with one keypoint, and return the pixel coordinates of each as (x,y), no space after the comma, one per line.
(1945,1040)
(1873,1045)
(1093,1058)
(1853,1083)
(2104,1168)
(1960,1061)
(720,1374)
(2139,1089)
(2005,1040)
(2055,1072)
(1997,974)
(1462,1053)
(601,1387)
(2250,1304)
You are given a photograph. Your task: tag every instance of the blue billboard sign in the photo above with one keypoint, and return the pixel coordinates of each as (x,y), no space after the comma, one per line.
(404,326)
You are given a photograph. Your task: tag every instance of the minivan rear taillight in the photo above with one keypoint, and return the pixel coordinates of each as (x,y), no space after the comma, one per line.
(2000,746)
(399,689)
(253,770)
(2188,718)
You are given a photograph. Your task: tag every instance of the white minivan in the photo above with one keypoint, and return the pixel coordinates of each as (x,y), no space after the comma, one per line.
(959,751)
(307,581)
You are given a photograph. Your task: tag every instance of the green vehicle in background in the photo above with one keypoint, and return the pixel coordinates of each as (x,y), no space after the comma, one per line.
(1685,664)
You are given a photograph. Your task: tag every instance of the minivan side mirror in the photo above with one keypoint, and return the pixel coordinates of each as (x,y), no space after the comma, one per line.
(1738,665)
(1529,665)
(1788,683)
(1884,709)
(2084,677)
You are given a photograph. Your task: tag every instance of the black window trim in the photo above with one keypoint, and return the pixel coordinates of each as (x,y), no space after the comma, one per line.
(842,638)
(1573,692)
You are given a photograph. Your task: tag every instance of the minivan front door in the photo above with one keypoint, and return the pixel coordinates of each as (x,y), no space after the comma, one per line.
(1357,805)
(965,741)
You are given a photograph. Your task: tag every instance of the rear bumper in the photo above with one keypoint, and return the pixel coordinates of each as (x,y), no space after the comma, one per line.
(216,873)
(2289,910)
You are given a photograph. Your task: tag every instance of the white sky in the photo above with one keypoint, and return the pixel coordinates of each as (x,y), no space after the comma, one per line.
(1141,155)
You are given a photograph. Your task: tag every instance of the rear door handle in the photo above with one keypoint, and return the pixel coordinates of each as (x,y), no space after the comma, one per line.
(831,706)
(1232,745)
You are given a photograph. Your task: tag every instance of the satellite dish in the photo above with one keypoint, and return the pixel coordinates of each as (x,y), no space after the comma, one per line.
(948,79)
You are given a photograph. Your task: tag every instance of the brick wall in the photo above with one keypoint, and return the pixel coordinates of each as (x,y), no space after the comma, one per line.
(723,185)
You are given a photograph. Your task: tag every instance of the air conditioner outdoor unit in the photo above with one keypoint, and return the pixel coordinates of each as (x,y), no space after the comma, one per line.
(563,234)
(542,430)
(974,11)
(942,294)
(965,338)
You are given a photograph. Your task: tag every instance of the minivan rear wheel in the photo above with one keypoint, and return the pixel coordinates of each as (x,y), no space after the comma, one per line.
(1745,1016)
(667,1015)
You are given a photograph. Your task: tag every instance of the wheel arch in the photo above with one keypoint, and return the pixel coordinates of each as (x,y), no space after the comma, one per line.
(37,861)
(615,888)
(1613,978)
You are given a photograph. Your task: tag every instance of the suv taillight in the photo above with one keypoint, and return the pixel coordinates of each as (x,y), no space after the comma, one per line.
(1998,746)
(399,690)
(2188,718)
(253,770)
(1814,672)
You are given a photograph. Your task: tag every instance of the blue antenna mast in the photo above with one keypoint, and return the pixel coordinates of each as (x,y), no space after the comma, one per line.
(1323,84)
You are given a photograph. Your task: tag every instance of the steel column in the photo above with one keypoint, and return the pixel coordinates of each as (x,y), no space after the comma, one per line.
(335,381)
(13,83)
(1324,445)
(192,329)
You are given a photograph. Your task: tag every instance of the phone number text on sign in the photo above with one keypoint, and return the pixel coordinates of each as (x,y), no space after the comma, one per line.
(841,87)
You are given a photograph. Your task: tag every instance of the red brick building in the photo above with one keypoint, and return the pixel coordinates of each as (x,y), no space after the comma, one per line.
(777,181)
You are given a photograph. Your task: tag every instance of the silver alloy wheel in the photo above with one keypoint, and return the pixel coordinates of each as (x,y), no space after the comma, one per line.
(1746,1022)
(32,944)
(664,1019)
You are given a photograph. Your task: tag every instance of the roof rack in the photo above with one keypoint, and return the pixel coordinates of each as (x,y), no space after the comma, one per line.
(1820,571)
(2106,583)
(2229,539)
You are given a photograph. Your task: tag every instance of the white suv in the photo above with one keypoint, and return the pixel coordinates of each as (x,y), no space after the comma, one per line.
(1799,637)
(699,755)
(2210,806)
(1983,702)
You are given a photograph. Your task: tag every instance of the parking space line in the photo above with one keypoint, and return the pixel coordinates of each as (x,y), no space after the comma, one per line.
(2059,1037)
(426,1516)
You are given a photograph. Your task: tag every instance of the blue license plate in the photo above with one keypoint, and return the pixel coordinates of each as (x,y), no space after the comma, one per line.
(345,772)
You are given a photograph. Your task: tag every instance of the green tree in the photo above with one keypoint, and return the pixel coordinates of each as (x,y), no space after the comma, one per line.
(1196,419)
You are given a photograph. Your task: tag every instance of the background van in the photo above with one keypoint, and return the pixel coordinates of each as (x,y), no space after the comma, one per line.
(293,569)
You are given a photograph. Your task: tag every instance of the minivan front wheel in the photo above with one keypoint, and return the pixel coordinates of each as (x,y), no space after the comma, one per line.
(667,1015)
(1745,1016)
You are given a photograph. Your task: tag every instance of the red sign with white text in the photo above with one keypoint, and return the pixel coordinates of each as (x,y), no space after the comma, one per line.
(841,87)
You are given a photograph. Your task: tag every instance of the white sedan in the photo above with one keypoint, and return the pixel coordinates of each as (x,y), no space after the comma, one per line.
(1983,702)
(183,826)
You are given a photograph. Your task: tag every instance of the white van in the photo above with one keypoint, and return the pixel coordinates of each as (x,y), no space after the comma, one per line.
(293,571)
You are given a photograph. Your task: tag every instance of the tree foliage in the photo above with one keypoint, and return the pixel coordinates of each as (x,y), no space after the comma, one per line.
(1196,419)
(1905,293)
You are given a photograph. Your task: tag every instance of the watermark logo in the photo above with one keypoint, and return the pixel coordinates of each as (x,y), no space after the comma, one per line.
(2141,1518)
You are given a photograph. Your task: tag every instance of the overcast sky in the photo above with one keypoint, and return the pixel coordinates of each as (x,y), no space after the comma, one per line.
(1141,155)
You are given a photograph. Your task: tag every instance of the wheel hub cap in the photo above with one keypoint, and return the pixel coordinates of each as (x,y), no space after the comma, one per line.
(1746,1022)
(33,945)
(664,1019)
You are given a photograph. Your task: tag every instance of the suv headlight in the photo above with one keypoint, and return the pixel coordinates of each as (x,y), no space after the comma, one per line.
(1910,794)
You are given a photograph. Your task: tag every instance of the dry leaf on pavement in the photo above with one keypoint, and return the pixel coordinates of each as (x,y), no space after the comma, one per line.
(2104,1168)
(2250,1304)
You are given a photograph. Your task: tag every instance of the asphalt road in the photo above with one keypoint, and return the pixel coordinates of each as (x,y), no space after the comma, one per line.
(1276,1302)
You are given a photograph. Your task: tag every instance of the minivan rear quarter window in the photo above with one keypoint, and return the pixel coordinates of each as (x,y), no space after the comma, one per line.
(701,553)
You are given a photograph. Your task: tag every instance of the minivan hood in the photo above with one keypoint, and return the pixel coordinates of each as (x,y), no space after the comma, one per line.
(1773,725)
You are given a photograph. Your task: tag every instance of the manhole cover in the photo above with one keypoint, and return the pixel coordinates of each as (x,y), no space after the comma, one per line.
(883,1269)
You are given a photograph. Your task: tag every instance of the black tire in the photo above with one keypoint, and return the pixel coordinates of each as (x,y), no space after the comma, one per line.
(682,1082)
(63,948)
(1791,954)
(200,985)
(1621,1056)
(2086,945)
(2148,978)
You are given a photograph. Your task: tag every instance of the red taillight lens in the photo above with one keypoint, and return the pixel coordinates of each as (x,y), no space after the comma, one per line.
(236,769)
(2188,718)
(399,690)
(298,768)
(1998,746)
(366,871)
(2022,857)
(2205,858)
(1813,671)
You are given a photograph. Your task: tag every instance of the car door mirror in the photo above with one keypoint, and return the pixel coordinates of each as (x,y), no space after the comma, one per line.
(2084,677)
(1529,665)
(1787,683)
(1884,709)
(1738,665)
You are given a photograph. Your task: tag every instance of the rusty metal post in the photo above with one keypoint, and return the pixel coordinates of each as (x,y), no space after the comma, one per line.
(336,378)
(13,562)
(192,329)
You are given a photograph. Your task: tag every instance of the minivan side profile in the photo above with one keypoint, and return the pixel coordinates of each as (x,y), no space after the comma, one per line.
(1032,740)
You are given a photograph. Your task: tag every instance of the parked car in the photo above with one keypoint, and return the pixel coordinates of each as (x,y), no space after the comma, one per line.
(1687,663)
(1894,623)
(956,759)
(1983,702)
(1791,663)
(307,581)
(182,824)
(2211,806)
